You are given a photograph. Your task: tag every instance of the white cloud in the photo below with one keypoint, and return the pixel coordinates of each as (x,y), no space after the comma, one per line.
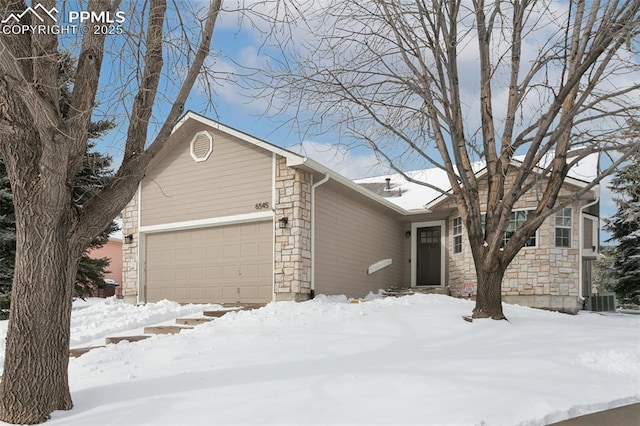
(351,163)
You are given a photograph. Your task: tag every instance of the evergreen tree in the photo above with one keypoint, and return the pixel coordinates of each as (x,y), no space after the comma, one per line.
(624,227)
(95,172)
(7,232)
(604,274)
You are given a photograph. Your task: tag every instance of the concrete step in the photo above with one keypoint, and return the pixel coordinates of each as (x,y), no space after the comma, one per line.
(76,352)
(244,306)
(214,314)
(252,306)
(235,308)
(117,339)
(165,329)
(407,291)
(192,321)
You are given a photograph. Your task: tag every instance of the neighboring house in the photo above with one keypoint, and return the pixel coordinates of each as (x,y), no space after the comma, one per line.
(224,217)
(112,250)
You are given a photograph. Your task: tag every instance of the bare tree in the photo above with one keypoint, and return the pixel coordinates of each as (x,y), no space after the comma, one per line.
(448,83)
(43,151)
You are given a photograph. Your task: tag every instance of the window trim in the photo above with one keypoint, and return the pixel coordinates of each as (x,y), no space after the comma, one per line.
(569,227)
(192,152)
(443,250)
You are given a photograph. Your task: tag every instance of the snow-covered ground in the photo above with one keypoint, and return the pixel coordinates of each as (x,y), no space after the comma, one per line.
(411,360)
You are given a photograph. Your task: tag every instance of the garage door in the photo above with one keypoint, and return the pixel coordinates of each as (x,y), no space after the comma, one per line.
(223,264)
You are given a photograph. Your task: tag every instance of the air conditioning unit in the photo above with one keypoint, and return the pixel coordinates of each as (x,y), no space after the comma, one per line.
(604,302)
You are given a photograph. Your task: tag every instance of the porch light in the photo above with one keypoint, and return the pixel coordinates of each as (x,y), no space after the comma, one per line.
(128,239)
(282,223)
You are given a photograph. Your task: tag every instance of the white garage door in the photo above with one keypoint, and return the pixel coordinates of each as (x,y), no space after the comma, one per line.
(223,264)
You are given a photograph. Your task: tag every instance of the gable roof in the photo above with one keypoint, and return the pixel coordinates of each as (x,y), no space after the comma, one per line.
(190,115)
(403,197)
(293,159)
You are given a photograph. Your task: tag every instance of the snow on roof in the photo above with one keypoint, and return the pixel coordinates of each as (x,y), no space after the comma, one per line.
(413,196)
(587,169)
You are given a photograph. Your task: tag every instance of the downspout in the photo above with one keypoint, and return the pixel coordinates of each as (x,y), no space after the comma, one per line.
(581,237)
(141,261)
(324,180)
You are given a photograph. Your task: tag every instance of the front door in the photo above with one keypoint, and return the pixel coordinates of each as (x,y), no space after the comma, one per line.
(428,256)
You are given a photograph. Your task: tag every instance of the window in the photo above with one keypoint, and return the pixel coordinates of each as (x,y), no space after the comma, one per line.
(563,227)
(516,220)
(457,235)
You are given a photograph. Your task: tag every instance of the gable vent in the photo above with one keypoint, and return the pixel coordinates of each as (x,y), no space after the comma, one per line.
(201,146)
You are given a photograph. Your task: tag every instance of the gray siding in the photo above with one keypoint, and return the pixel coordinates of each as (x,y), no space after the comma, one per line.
(351,235)
(231,181)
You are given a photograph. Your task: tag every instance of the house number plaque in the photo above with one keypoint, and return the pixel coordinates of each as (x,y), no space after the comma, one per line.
(260,206)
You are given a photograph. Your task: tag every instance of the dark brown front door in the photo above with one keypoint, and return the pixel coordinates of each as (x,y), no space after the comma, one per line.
(429,256)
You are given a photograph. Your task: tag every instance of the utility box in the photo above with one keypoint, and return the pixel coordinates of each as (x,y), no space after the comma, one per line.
(604,302)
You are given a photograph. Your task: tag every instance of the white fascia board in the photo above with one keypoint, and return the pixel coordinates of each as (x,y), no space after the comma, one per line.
(537,169)
(205,223)
(439,199)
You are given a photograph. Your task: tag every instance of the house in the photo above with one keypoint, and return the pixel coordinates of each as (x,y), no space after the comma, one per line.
(112,249)
(224,217)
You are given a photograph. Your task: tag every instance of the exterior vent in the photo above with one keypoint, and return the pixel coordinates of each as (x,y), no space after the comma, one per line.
(605,302)
(201,146)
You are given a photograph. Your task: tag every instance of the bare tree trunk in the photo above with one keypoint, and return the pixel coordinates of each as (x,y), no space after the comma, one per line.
(489,292)
(35,379)
(39,322)
(42,150)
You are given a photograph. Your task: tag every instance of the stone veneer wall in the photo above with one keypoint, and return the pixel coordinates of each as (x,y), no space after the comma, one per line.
(292,273)
(130,251)
(544,276)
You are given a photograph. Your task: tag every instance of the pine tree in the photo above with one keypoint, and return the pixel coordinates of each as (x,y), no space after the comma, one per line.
(7,232)
(624,227)
(604,274)
(95,172)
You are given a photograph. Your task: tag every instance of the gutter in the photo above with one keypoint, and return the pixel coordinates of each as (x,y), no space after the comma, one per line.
(324,180)
(596,190)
